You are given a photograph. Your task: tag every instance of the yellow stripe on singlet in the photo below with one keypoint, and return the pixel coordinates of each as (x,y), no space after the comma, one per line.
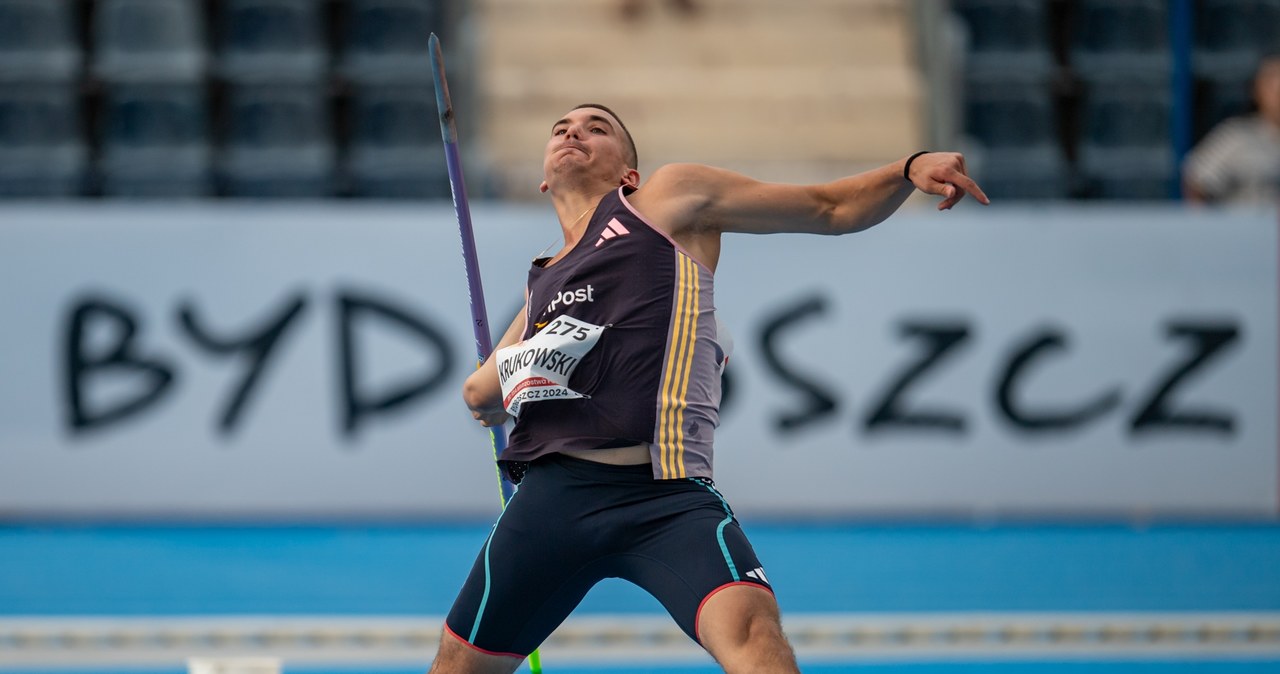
(679,363)
(688,362)
(667,399)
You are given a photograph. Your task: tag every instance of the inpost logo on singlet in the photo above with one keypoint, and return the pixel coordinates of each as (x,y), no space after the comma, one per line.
(570,297)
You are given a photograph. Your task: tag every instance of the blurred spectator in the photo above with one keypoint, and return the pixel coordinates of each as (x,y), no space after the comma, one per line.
(1239,160)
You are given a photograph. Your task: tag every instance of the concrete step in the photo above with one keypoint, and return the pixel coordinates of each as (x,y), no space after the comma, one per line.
(789,91)
(697,132)
(784,40)
(796,84)
(579,10)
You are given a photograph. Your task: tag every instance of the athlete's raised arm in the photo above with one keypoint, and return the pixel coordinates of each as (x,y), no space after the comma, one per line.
(711,200)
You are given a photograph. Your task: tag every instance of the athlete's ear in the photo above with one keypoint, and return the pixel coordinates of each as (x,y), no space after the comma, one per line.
(631,178)
(544,187)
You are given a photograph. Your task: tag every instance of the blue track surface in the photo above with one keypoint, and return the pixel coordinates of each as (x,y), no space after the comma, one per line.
(416,570)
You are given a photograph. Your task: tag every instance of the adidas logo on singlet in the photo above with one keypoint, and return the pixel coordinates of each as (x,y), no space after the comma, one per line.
(612,229)
(758,574)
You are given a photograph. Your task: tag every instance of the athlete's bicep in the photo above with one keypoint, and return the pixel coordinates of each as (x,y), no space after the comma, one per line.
(698,199)
(771,208)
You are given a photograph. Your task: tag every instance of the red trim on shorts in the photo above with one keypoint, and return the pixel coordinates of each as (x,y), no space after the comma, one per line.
(474,647)
(697,617)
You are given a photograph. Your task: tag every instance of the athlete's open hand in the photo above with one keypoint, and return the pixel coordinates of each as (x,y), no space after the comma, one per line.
(944,174)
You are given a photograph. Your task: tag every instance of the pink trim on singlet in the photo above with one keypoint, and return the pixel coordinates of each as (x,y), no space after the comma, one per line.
(476,648)
(697,617)
(623,198)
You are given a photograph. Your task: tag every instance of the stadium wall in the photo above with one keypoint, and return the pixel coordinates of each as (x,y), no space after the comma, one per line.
(223,361)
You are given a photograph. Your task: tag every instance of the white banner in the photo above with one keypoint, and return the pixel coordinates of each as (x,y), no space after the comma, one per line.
(305,360)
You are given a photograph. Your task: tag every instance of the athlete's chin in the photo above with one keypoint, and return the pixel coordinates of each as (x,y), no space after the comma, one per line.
(567,172)
(569,161)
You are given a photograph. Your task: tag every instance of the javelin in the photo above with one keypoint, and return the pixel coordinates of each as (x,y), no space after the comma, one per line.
(475,291)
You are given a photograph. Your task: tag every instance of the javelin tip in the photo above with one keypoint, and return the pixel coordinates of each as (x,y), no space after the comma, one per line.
(443,103)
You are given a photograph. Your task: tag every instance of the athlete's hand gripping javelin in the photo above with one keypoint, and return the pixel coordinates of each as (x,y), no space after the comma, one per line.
(481,392)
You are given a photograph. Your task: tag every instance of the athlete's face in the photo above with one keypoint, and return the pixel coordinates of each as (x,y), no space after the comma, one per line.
(587,142)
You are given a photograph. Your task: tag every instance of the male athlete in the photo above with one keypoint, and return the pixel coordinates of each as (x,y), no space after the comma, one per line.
(612,372)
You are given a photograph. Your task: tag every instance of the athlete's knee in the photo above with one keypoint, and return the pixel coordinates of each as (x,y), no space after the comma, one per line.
(757,646)
(458,657)
(758,631)
(742,629)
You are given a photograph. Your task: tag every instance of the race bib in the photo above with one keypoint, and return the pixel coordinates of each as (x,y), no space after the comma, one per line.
(539,367)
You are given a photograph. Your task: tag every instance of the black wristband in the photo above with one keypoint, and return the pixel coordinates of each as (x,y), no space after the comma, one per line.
(906,170)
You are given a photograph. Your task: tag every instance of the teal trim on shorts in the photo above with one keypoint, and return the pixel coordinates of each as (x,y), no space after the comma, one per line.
(488,578)
(724,549)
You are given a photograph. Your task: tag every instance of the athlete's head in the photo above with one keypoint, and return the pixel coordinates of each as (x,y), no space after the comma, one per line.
(590,143)
(633,160)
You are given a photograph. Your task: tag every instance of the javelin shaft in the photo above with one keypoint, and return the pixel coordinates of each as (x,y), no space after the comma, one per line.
(475,290)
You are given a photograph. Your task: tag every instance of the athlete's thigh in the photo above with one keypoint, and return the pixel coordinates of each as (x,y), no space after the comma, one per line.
(528,576)
(691,553)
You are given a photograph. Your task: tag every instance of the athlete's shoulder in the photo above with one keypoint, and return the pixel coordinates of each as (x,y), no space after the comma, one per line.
(675,200)
(675,195)
(682,178)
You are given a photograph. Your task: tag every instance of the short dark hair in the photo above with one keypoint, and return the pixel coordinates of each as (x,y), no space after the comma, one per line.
(633,160)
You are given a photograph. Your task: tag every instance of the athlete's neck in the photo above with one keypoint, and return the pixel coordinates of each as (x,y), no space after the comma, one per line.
(574,210)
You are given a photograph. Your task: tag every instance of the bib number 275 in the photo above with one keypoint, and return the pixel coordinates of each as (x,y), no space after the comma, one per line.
(563,326)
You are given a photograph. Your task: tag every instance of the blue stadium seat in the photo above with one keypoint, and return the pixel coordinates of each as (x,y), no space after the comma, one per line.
(278,40)
(396,150)
(1127,112)
(1231,35)
(278,143)
(1006,35)
(42,153)
(1225,25)
(1126,139)
(386,40)
(155,141)
(148,40)
(1129,173)
(1237,26)
(37,41)
(1009,114)
(1268,19)
(1039,172)
(1111,36)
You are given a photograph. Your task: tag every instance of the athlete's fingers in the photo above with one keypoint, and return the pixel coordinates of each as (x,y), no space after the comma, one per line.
(953,192)
(945,174)
(968,185)
(952,195)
